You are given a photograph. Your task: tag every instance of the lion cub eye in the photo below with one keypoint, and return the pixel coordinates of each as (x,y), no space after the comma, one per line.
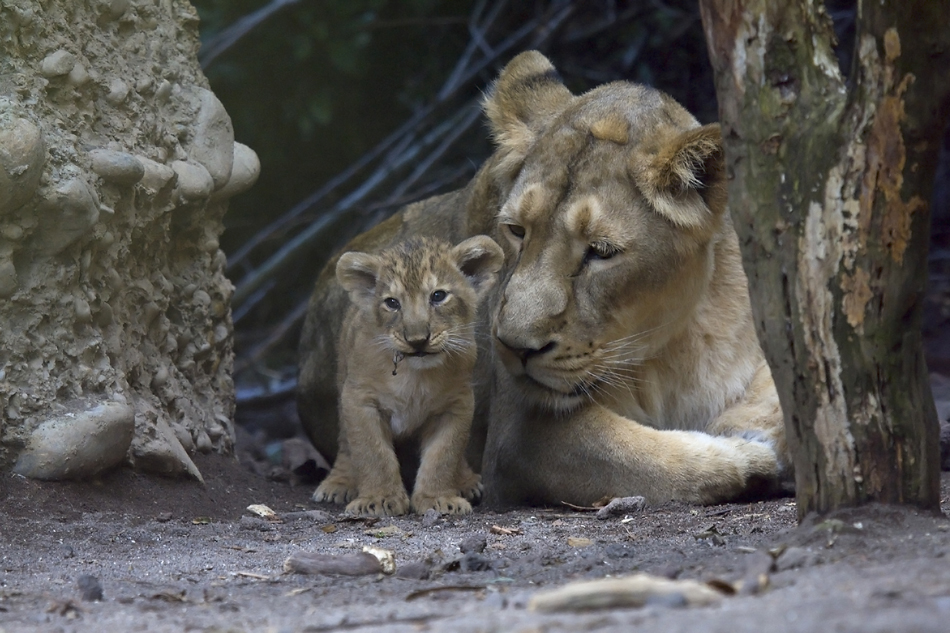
(438,297)
(517,231)
(392,303)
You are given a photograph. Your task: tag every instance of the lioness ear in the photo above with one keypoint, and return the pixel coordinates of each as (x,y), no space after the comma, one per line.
(527,93)
(684,180)
(479,258)
(357,273)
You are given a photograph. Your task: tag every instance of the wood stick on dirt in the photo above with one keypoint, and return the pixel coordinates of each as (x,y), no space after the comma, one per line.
(361,564)
(630,591)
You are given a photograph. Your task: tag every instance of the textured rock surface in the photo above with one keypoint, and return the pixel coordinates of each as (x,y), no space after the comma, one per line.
(115,330)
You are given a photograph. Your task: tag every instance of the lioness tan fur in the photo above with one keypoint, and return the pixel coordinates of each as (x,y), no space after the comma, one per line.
(625,355)
(407,351)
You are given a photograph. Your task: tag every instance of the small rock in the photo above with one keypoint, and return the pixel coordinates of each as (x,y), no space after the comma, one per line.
(82,310)
(794,557)
(22,156)
(164,91)
(244,172)
(78,444)
(431,517)
(68,212)
(621,506)
(114,9)
(117,167)
(254,523)
(474,561)
(89,588)
(618,550)
(194,181)
(161,453)
(414,571)
(317,516)
(212,144)
(79,76)
(157,176)
(118,92)
(57,64)
(474,543)
(8,279)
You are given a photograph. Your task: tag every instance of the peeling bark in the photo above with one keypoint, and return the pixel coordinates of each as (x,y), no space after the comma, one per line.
(828,195)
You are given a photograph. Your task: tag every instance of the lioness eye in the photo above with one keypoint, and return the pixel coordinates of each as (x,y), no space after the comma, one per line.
(601,250)
(438,296)
(392,303)
(517,231)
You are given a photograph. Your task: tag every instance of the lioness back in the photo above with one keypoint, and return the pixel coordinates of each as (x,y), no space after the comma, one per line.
(406,354)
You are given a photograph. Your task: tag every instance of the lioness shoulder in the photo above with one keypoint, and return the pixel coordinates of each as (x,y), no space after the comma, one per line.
(406,354)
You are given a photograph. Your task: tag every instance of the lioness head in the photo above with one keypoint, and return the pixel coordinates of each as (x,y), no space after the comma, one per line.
(421,295)
(615,200)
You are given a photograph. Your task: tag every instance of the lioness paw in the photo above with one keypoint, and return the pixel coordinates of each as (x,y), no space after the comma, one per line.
(444,504)
(472,488)
(379,505)
(335,490)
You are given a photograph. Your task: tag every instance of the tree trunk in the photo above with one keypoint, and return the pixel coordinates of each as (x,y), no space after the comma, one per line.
(116,163)
(829,196)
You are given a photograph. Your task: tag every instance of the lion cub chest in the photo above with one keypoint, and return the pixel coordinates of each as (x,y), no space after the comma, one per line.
(413,397)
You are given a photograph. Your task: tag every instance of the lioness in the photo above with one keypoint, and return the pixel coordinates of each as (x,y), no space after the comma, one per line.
(407,351)
(626,360)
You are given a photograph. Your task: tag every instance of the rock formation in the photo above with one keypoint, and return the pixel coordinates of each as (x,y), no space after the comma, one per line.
(116,163)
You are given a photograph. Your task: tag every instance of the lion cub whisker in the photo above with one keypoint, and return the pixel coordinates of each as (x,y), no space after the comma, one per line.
(406,354)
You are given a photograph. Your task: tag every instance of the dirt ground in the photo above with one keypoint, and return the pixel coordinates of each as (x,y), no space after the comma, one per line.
(171,555)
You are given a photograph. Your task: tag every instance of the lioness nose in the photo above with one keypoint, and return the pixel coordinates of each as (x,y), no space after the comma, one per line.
(524,353)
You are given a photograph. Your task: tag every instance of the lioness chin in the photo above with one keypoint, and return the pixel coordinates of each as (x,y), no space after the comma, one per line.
(624,359)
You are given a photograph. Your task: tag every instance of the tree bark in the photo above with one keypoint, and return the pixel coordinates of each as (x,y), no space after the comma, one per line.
(830,182)
(116,164)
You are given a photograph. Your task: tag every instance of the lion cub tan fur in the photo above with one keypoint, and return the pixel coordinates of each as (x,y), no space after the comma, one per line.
(407,351)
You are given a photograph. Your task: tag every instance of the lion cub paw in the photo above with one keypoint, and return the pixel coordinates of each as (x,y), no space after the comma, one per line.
(444,505)
(379,505)
(334,490)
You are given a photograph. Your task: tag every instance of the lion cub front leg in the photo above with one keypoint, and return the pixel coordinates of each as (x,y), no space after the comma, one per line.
(378,481)
(444,476)
(339,486)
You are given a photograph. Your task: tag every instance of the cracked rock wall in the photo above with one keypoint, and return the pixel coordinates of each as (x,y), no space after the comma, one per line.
(116,163)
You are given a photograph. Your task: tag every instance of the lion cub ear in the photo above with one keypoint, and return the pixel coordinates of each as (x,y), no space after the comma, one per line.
(685,180)
(527,93)
(479,258)
(357,273)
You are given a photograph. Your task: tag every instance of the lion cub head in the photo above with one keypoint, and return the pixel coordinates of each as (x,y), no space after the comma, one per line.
(421,296)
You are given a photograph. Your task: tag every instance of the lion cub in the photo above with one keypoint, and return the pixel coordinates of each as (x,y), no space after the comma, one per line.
(406,355)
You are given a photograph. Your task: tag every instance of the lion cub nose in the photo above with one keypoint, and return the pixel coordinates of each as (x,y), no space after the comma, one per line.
(417,339)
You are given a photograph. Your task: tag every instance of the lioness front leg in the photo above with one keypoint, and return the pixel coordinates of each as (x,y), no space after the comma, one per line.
(439,483)
(380,491)
(596,453)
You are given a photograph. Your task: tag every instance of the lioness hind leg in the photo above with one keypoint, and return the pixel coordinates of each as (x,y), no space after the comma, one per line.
(340,485)
(470,483)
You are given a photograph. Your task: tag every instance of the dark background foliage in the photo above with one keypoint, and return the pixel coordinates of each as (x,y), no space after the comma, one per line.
(356,107)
